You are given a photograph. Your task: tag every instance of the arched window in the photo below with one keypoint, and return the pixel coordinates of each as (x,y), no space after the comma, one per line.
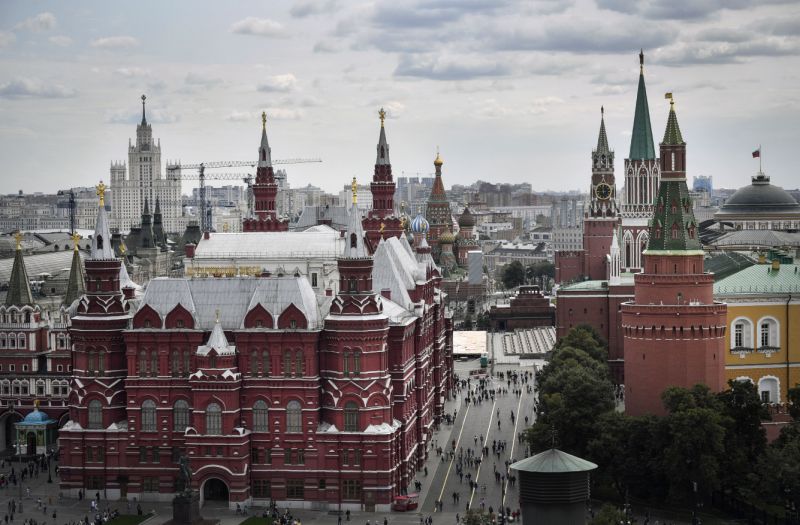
(266,366)
(260,419)
(768,333)
(186,363)
(12,341)
(741,333)
(294,417)
(101,362)
(299,363)
(142,363)
(353,240)
(25,388)
(90,363)
(351,417)
(769,389)
(148,416)
(356,362)
(353,285)
(174,363)
(287,363)
(213,419)
(154,363)
(99,242)
(253,363)
(180,415)
(95,414)
(21,339)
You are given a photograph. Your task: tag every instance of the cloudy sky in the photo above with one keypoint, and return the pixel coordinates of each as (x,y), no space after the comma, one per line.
(509,90)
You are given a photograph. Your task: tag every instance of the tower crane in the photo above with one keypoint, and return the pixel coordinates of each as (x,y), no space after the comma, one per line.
(175,172)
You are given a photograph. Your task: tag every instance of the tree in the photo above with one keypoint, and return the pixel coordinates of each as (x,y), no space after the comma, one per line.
(587,339)
(513,274)
(608,515)
(794,402)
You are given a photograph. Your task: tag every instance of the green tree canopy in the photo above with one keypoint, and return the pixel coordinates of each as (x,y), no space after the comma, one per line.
(513,274)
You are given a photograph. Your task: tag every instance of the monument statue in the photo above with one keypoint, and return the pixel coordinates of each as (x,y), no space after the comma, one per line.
(184,475)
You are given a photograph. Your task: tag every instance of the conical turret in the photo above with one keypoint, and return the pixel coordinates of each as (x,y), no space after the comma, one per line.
(101,242)
(76,286)
(642,137)
(19,287)
(264,151)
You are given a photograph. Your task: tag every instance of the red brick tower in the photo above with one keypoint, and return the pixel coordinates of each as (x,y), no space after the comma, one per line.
(601,218)
(674,330)
(356,384)
(381,221)
(98,421)
(265,190)
(438,211)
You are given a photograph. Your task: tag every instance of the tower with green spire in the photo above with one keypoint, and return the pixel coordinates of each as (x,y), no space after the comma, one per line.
(642,176)
(674,331)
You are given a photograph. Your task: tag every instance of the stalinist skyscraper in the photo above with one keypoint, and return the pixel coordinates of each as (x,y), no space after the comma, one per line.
(144,181)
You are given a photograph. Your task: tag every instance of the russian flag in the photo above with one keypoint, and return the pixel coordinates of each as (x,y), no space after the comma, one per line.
(757,153)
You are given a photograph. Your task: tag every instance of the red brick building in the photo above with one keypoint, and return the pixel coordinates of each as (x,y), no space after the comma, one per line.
(674,331)
(272,391)
(528,309)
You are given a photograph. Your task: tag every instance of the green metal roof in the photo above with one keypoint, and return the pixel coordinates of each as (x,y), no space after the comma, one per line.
(626,278)
(76,286)
(761,279)
(642,138)
(673,212)
(553,461)
(672,135)
(602,138)
(19,286)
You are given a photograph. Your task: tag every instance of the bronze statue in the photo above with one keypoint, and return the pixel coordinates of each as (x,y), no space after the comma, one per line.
(184,475)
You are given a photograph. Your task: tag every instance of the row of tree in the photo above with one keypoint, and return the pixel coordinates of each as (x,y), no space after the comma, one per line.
(515,273)
(706,442)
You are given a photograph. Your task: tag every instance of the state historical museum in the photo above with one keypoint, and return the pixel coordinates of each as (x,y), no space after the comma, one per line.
(272,391)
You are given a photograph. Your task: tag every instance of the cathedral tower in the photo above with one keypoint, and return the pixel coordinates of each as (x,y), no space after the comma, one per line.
(381,221)
(438,211)
(674,330)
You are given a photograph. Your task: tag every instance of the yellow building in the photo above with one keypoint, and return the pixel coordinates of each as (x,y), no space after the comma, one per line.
(763,343)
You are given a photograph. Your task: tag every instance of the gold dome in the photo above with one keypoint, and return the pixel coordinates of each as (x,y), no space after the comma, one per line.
(438,162)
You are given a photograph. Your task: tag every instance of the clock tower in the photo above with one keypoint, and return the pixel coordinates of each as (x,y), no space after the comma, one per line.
(601,216)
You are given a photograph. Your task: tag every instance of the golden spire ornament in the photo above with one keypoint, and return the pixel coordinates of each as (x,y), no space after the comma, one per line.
(354,188)
(263,121)
(101,192)
(18,238)
(382,116)
(75,238)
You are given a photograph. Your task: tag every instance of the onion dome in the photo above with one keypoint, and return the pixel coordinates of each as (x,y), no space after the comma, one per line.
(447,237)
(466,219)
(419,224)
(438,161)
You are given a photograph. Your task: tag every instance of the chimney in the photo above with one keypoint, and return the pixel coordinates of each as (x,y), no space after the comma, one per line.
(128,292)
(776,264)
(762,259)
(189,249)
(386,293)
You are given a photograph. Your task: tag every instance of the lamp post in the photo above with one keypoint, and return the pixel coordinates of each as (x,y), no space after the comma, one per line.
(49,476)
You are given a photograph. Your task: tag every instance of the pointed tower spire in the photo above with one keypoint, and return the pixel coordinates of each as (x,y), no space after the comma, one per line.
(602,139)
(146,207)
(264,151)
(672,135)
(642,137)
(354,247)
(19,287)
(76,286)
(101,242)
(383,147)
(144,119)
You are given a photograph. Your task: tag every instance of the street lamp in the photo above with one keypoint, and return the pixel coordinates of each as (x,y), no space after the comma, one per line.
(49,476)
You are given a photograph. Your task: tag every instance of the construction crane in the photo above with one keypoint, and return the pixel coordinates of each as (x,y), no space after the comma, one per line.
(176,172)
(71,203)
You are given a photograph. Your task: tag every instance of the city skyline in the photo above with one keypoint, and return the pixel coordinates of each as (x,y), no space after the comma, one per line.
(508,91)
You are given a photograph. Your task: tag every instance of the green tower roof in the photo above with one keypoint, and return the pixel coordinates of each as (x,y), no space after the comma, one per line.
(76,286)
(642,138)
(19,287)
(672,135)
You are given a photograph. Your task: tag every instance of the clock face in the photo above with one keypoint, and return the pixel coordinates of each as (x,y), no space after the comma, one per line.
(603,191)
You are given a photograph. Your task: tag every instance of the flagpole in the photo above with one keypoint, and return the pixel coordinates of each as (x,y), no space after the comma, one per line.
(759,159)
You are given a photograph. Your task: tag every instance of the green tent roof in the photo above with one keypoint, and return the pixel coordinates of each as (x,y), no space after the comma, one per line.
(553,461)
(642,138)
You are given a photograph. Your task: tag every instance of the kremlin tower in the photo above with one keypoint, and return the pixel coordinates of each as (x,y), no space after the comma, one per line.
(438,211)
(265,191)
(601,218)
(381,221)
(673,329)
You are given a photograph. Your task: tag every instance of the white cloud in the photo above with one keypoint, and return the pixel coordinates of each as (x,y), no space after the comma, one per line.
(41,22)
(306,8)
(115,42)
(134,116)
(61,40)
(34,88)
(492,108)
(6,39)
(258,26)
(130,72)
(272,114)
(279,83)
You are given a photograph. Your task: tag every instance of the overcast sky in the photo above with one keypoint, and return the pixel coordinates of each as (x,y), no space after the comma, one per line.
(510,91)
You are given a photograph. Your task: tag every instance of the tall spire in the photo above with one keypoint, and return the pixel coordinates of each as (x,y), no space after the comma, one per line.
(602,139)
(101,242)
(264,151)
(76,286)
(672,135)
(144,120)
(354,247)
(642,137)
(19,287)
(146,208)
(383,146)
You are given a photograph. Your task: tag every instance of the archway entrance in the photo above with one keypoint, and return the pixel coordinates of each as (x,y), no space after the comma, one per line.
(215,492)
(9,433)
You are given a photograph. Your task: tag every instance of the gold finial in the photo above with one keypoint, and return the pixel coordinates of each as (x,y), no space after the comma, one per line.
(122,248)
(217,312)
(75,238)
(36,403)
(382,116)
(438,161)
(354,187)
(101,192)
(641,60)
(668,96)
(383,227)
(18,238)
(263,121)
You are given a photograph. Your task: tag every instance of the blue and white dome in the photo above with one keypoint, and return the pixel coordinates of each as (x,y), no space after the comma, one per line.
(419,224)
